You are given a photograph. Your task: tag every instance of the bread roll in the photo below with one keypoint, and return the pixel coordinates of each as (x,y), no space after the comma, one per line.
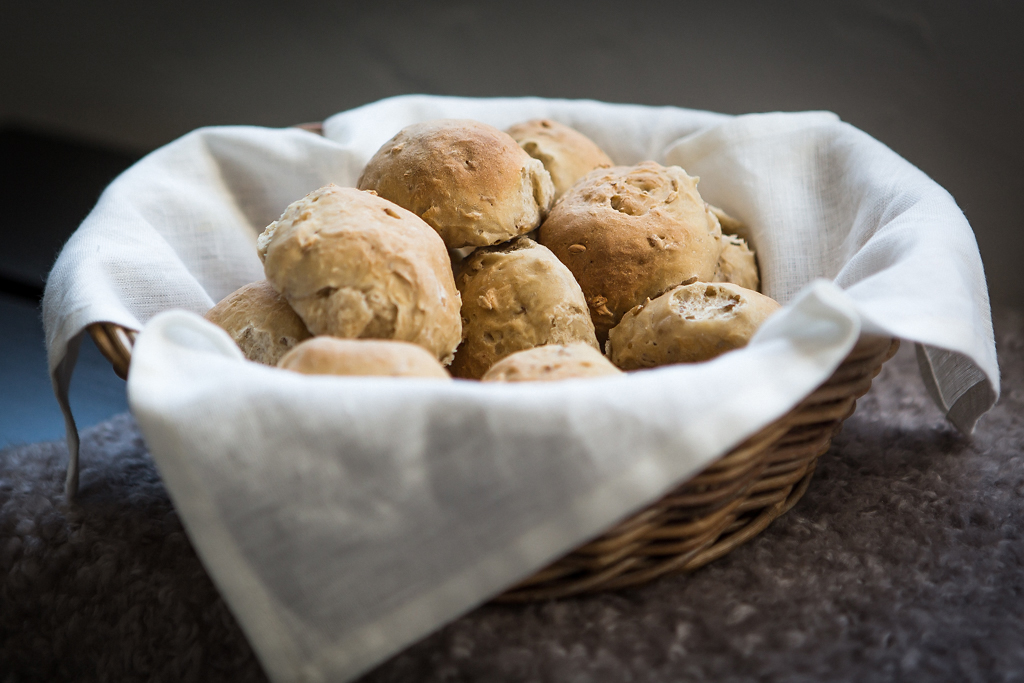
(260,321)
(688,324)
(551,362)
(730,225)
(567,154)
(737,264)
(630,233)
(377,357)
(516,296)
(469,181)
(355,265)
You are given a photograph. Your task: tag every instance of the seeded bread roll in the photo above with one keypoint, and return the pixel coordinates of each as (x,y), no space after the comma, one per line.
(469,181)
(516,296)
(377,357)
(737,264)
(730,225)
(355,265)
(260,321)
(567,154)
(550,363)
(630,233)
(688,324)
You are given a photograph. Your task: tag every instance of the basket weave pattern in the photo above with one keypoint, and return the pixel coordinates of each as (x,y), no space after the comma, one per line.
(727,504)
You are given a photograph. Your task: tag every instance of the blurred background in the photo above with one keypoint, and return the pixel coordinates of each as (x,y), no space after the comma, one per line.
(88,88)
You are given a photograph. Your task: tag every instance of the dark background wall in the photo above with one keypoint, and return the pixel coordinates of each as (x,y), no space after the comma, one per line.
(940,82)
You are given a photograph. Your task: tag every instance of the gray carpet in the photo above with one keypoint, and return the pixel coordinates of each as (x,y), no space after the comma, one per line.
(904,562)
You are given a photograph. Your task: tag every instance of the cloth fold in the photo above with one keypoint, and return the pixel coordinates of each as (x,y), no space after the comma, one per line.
(343,518)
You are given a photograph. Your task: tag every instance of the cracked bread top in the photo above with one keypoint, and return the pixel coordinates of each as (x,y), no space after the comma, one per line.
(688,324)
(629,233)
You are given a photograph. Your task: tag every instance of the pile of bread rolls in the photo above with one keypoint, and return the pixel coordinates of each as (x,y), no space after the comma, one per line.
(510,256)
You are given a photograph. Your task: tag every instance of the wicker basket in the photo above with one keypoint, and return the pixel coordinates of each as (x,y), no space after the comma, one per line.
(727,504)
(731,501)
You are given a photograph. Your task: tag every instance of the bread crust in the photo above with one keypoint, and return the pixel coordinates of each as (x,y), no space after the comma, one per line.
(516,296)
(730,225)
(566,153)
(629,233)
(737,264)
(688,324)
(469,181)
(260,321)
(551,363)
(355,265)
(363,357)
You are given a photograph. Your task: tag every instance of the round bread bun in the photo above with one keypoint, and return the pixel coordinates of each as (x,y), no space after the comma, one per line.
(630,233)
(355,265)
(688,324)
(730,225)
(260,321)
(737,264)
(469,181)
(566,153)
(516,296)
(550,363)
(376,357)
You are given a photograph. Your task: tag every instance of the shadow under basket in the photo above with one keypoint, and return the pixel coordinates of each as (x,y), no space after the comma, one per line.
(727,504)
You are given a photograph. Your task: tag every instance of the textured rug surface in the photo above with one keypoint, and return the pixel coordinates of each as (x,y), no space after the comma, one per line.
(903,562)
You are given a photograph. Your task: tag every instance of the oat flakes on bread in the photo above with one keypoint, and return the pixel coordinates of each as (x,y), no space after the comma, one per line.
(366,357)
(355,265)
(737,264)
(516,296)
(688,324)
(260,321)
(469,181)
(566,153)
(550,363)
(629,233)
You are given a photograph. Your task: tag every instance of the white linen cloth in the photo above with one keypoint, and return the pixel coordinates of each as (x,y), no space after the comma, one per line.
(343,518)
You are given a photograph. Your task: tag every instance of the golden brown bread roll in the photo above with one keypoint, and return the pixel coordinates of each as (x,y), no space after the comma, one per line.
(730,225)
(355,265)
(629,233)
(566,153)
(688,324)
(737,264)
(260,321)
(471,182)
(551,362)
(516,296)
(377,357)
